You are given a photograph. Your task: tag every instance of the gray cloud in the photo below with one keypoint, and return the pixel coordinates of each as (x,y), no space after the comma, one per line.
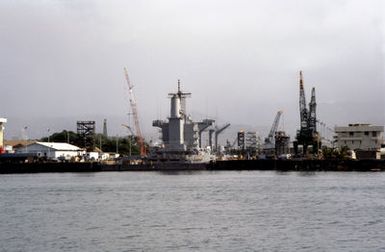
(240,60)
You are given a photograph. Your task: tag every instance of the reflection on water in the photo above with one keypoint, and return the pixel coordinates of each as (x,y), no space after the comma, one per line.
(307,173)
(182,172)
(85,174)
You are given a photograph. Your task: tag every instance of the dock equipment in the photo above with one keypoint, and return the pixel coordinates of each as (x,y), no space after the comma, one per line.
(282,142)
(219,131)
(86,132)
(134,109)
(307,135)
(202,126)
(269,141)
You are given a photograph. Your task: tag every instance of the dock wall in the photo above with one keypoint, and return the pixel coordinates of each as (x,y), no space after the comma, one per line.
(280,165)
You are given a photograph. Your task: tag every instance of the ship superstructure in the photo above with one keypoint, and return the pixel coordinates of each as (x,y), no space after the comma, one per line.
(180,134)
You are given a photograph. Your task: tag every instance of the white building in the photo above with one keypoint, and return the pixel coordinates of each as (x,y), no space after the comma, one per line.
(55,151)
(247,140)
(2,121)
(360,137)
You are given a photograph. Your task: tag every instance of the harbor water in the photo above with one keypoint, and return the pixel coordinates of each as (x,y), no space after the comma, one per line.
(193,211)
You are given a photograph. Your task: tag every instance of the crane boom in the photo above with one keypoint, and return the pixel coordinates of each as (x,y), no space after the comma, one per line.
(312,112)
(219,131)
(269,140)
(135,114)
(275,124)
(129,128)
(302,102)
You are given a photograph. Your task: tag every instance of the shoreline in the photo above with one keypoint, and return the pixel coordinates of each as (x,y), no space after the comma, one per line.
(236,165)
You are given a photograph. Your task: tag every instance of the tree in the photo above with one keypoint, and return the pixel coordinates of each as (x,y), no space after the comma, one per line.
(120,144)
(335,153)
(62,137)
(106,144)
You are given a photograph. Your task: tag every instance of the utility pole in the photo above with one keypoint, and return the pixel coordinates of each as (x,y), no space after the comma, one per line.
(49,146)
(117,144)
(25,136)
(129,137)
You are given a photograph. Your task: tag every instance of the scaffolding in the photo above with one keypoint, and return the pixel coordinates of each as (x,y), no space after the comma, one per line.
(86,133)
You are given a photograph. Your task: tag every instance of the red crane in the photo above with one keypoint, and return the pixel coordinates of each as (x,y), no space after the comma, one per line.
(135,114)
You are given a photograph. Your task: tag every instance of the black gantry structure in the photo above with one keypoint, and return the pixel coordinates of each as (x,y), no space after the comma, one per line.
(86,133)
(307,135)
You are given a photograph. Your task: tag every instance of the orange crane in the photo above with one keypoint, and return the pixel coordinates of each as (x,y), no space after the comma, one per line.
(135,114)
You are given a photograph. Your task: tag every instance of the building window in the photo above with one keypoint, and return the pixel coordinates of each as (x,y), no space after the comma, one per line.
(351,133)
(374,133)
(366,133)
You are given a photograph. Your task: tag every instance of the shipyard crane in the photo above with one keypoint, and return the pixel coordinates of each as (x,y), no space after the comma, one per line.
(219,131)
(270,138)
(229,144)
(202,126)
(302,103)
(312,112)
(307,134)
(211,132)
(134,109)
(129,128)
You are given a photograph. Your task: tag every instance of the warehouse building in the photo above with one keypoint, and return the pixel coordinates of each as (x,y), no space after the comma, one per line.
(53,151)
(2,122)
(362,138)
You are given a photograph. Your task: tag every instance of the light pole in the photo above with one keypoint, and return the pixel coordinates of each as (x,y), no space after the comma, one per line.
(49,146)
(24,133)
(100,142)
(117,144)
(129,138)
(129,145)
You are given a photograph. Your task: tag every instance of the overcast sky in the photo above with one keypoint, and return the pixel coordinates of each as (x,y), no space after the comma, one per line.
(63,60)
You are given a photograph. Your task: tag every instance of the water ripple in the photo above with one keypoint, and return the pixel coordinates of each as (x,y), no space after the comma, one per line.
(205,211)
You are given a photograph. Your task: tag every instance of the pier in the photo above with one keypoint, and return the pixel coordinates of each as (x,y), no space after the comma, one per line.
(369,165)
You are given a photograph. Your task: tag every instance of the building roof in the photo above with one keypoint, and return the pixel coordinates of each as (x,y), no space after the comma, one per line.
(358,127)
(59,146)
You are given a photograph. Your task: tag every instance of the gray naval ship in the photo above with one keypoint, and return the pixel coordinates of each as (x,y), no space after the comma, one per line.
(181,138)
